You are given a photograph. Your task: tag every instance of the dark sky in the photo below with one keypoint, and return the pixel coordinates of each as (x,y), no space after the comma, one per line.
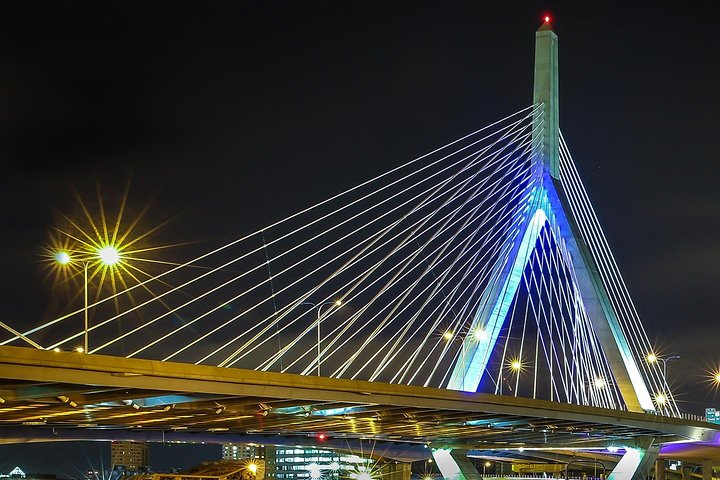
(235,114)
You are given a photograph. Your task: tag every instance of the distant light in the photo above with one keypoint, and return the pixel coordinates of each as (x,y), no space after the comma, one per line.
(334,466)
(448,335)
(109,255)
(600,382)
(364,476)
(56,349)
(322,437)
(516,365)
(428,477)
(716,377)
(480,334)
(487,464)
(612,449)
(80,349)
(338,303)
(651,358)
(660,399)
(547,18)
(521,449)
(314,470)
(62,257)
(252,468)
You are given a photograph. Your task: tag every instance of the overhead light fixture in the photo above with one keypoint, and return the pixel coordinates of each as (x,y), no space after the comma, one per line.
(66,400)
(220,409)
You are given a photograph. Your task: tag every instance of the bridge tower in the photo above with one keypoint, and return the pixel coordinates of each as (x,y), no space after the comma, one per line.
(549,202)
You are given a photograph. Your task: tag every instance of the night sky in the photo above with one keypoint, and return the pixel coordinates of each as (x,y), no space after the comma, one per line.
(231,115)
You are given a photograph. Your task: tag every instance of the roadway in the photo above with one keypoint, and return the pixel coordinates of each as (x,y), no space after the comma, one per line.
(46,395)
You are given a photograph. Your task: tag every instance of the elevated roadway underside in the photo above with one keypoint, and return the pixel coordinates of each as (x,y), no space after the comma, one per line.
(71,396)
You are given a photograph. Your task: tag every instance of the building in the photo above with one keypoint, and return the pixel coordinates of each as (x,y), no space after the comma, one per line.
(243,451)
(223,470)
(313,463)
(129,456)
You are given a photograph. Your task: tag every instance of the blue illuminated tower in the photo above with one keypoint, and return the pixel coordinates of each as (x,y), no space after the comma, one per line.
(547,204)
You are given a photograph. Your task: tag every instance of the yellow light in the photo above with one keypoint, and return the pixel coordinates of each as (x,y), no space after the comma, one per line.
(480,334)
(56,349)
(62,257)
(651,358)
(252,468)
(80,349)
(338,303)
(716,378)
(516,365)
(660,399)
(109,255)
(487,464)
(600,382)
(448,335)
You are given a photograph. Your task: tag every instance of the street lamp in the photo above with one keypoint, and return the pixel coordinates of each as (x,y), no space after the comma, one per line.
(318,307)
(652,358)
(108,256)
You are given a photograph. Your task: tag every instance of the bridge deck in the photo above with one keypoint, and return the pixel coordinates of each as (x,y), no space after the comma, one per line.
(71,391)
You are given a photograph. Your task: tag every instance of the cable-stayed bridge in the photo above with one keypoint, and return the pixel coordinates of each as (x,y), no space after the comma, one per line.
(465,299)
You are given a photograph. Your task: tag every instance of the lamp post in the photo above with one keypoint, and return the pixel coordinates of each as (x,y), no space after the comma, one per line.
(652,358)
(108,256)
(318,308)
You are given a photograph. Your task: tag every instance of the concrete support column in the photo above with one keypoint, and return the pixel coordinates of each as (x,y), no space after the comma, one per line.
(637,461)
(660,467)
(707,469)
(455,465)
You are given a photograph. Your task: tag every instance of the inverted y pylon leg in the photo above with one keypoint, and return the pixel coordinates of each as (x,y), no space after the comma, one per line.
(455,464)
(637,461)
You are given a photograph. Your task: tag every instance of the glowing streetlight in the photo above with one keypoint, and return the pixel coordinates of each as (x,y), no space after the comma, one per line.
(480,334)
(315,471)
(516,365)
(252,468)
(62,257)
(600,382)
(652,358)
(716,378)
(661,399)
(108,255)
(448,335)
